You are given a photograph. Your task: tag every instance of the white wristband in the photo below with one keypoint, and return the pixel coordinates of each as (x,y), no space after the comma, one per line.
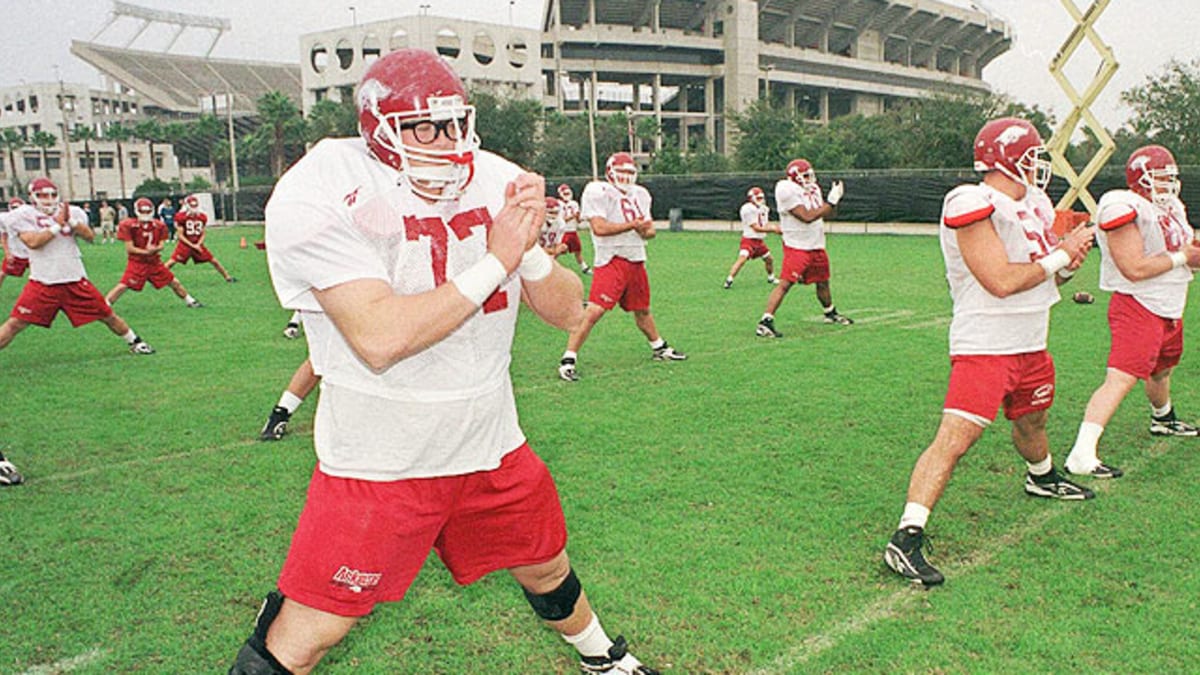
(481,279)
(1055,262)
(535,265)
(1178,259)
(1065,273)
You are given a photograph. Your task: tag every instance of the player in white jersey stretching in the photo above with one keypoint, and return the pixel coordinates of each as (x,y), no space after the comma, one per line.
(755,215)
(570,216)
(618,210)
(1147,256)
(408,254)
(802,211)
(1003,265)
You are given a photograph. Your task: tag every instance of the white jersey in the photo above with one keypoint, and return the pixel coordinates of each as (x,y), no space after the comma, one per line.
(1164,229)
(569,209)
(16,247)
(796,233)
(604,200)
(59,260)
(984,323)
(339,216)
(552,232)
(754,215)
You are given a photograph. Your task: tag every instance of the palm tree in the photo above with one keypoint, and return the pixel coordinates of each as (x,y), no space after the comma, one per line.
(150,131)
(283,118)
(87,135)
(120,133)
(12,140)
(44,140)
(208,131)
(175,133)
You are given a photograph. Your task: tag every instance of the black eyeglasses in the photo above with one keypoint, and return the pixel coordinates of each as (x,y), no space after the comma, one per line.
(427,131)
(46,193)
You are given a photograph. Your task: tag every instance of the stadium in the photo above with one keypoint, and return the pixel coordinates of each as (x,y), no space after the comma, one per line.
(727,513)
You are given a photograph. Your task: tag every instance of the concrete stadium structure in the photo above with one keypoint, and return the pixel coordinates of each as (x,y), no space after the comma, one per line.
(689,63)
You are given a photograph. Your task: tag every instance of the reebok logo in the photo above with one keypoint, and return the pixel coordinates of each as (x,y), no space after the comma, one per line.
(1042,394)
(21,309)
(354,580)
(352,197)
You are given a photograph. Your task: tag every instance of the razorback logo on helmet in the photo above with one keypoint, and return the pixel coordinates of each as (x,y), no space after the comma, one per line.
(43,194)
(144,208)
(413,115)
(1013,147)
(801,172)
(756,196)
(621,170)
(1152,173)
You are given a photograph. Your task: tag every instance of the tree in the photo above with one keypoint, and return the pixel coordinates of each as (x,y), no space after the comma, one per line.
(282,123)
(564,150)
(508,127)
(208,132)
(668,161)
(176,133)
(1166,109)
(44,140)
(87,135)
(765,137)
(12,141)
(120,134)
(331,119)
(149,130)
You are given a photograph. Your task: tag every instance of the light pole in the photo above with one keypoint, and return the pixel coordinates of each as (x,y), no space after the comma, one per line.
(353,16)
(629,127)
(767,80)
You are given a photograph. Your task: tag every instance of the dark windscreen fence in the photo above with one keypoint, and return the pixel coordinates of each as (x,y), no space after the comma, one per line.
(913,196)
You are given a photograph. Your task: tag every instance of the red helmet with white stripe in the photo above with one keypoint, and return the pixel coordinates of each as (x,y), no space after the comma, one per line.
(1152,173)
(621,170)
(564,192)
(1013,147)
(143,208)
(15,203)
(191,203)
(43,194)
(801,171)
(756,196)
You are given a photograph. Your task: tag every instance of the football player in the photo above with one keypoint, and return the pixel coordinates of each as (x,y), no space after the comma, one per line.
(144,237)
(802,212)
(1148,252)
(1004,265)
(408,250)
(755,215)
(57,279)
(16,254)
(191,228)
(618,211)
(570,216)
(551,237)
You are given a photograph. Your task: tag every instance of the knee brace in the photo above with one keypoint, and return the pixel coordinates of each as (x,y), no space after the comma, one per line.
(254,658)
(559,603)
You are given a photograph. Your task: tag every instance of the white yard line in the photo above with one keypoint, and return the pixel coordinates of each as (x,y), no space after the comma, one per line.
(67,665)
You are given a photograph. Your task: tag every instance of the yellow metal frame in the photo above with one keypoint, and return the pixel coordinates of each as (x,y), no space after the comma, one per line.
(1058,144)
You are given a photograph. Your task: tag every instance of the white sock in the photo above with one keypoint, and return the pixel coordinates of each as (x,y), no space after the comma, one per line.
(1083,453)
(658,344)
(829,310)
(129,337)
(570,355)
(591,641)
(290,401)
(189,299)
(1041,468)
(295,318)
(729,280)
(767,317)
(915,515)
(1163,411)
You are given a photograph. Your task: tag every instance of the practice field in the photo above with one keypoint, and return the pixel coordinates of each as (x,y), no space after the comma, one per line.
(727,513)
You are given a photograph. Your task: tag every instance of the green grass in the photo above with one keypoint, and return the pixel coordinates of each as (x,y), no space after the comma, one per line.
(727,513)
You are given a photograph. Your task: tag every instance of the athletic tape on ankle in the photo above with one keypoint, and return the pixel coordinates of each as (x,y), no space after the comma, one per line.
(535,265)
(481,279)
(1055,262)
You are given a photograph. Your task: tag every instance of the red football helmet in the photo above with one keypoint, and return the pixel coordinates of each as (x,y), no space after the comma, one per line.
(621,170)
(15,203)
(756,196)
(415,90)
(1013,147)
(144,208)
(801,171)
(551,208)
(564,192)
(191,203)
(43,194)
(1152,173)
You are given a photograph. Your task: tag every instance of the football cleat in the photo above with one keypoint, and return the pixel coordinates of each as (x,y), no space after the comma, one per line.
(585,269)
(277,424)
(195,304)
(668,353)
(9,474)
(774,281)
(903,554)
(1054,486)
(1101,470)
(231,280)
(766,328)
(292,331)
(728,284)
(618,661)
(834,317)
(141,347)
(1083,298)
(566,370)
(1168,425)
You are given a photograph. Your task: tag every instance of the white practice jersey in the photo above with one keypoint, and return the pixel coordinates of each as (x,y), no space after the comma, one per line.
(59,260)
(796,233)
(552,232)
(569,209)
(604,200)
(984,323)
(16,247)
(1164,229)
(339,216)
(754,215)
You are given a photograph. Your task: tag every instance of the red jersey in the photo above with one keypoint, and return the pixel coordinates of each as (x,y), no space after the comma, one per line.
(190,226)
(143,235)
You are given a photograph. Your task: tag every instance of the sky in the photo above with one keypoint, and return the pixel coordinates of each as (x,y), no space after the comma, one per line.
(1144,35)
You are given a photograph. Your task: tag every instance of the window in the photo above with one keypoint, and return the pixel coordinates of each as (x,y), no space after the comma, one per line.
(33,162)
(33,104)
(20,105)
(105,160)
(321,94)
(134,160)
(158,160)
(84,163)
(53,161)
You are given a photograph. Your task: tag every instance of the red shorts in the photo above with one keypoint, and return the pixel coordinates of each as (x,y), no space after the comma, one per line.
(980,384)
(620,280)
(805,267)
(571,239)
(1143,343)
(137,273)
(38,303)
(360,542)
(15,267)
(754,248)
(184,253)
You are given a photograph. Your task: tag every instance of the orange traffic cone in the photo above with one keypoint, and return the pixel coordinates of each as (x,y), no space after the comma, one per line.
(243,244)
